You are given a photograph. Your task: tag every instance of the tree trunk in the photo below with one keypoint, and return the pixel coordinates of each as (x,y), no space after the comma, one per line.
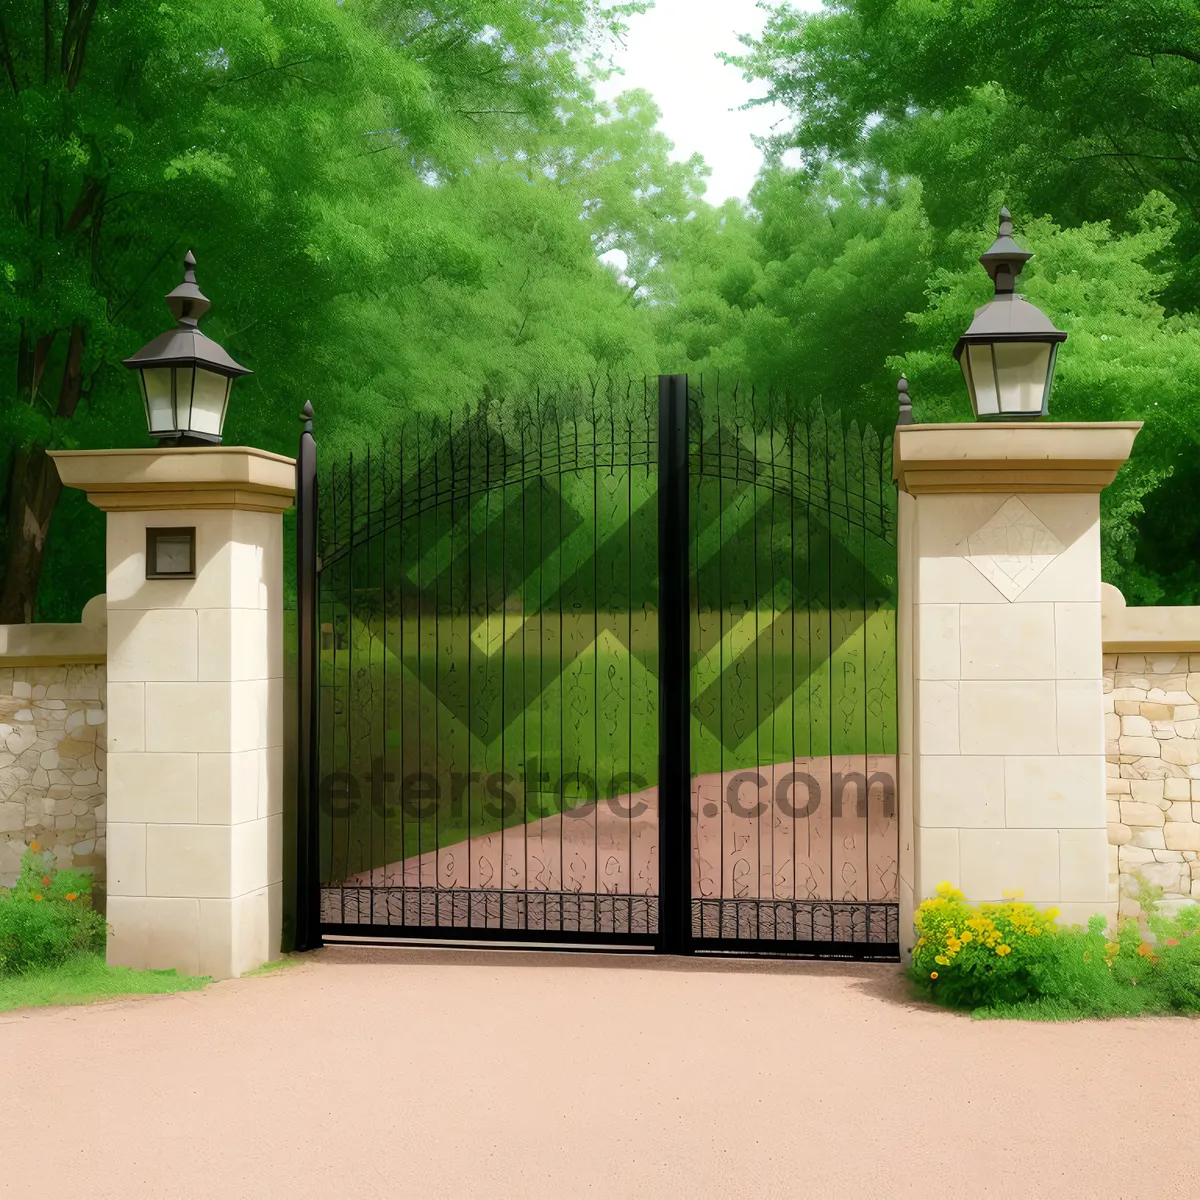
(33,490)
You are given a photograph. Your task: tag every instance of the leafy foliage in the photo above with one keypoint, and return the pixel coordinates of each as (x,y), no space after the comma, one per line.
(393,204)
(47,918)
(1012,960)
(1081,117)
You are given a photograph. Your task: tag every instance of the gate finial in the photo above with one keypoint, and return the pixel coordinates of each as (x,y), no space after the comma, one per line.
(905,416)
(306,415)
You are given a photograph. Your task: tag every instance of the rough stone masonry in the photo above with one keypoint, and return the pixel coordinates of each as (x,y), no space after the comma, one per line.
(52,791)
(1152,736)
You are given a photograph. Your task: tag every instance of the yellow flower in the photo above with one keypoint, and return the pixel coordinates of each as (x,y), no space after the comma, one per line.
(1002,950)
(1111,948)
(932,974)
(942,960)
(968,936)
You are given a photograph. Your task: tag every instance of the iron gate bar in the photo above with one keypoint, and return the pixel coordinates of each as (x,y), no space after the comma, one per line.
(674,658)
(307,929)
(745,463)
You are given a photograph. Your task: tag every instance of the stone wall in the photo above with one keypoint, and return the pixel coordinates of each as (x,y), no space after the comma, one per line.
(1152,719)
(52,744)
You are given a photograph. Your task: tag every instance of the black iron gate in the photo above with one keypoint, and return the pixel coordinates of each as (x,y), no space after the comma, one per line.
(616,669)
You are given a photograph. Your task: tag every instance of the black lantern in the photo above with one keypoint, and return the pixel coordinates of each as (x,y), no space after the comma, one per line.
(1007,355)
(185,376)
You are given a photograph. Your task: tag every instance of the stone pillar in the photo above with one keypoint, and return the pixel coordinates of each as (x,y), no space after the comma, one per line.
(195,705)
(1001,708)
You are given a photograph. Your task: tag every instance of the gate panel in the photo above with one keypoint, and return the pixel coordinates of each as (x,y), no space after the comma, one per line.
(795,833)
(488,679)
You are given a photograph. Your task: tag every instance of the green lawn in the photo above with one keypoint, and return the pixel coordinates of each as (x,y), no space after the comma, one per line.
(88,978)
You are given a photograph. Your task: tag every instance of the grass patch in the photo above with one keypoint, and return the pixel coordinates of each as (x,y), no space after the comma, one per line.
(87,978)
(275,966)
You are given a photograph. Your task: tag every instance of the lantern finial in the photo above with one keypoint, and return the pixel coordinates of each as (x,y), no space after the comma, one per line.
(187,302)
(1004,260)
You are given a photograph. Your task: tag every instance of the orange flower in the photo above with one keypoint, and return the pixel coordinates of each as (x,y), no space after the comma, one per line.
(33,846)
(932,974)
(70,895)
(1172,942)
(1146,950)
(37,897)
(45,881)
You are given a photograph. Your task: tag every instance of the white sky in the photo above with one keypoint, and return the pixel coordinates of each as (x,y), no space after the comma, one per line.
(671,52)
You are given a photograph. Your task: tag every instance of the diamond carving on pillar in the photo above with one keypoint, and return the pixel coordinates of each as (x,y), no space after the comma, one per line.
(1012,547)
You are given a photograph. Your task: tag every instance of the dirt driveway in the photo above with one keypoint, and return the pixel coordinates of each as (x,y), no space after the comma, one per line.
(385,1073)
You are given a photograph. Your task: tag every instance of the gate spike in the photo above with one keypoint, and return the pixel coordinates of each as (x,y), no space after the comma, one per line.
(905,416)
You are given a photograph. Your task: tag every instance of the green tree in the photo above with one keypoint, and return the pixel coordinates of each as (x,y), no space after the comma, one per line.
(807,292)
(1123,360)
(376,194)
(1071,107)
(1084,111)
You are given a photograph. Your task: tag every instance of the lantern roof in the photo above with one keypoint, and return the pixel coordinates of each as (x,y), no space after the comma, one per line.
(185,345)
(1009,318)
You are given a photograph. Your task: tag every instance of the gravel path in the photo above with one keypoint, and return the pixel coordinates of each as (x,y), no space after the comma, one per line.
(439,1073)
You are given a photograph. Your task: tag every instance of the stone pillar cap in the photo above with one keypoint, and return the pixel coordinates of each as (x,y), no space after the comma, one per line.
(1011,456)
(180,477)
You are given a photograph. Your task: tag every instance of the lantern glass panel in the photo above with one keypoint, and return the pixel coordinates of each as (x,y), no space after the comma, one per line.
(1021,368)
(1008,377)
(183,397)
(208,402)
(156,386)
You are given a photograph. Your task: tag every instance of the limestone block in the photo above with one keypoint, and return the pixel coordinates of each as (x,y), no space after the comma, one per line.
(154,933)
(1055,792)
(235,934)
(1118,834)
(993,860)
(1008,641)
(1147,791)
(1083,865)
(937,860)
(1079,721)
(1127,708)
(1182,751)
(1017,717)
(153,787)
(1112,809)
(937,641)
(234,644)
(152,645)
(1180,810)
(1150,839)
(1137,813)
(189,860)
(1146,747)
(1164,875)
(229,787)
(1137,726)
(938,716)
(1154,711)
(126,865)
(1177,789)
(1181,836)
(126,716)
(1077,639)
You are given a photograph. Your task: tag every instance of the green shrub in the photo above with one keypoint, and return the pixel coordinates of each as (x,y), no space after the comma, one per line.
(1008,959)
(47,917)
